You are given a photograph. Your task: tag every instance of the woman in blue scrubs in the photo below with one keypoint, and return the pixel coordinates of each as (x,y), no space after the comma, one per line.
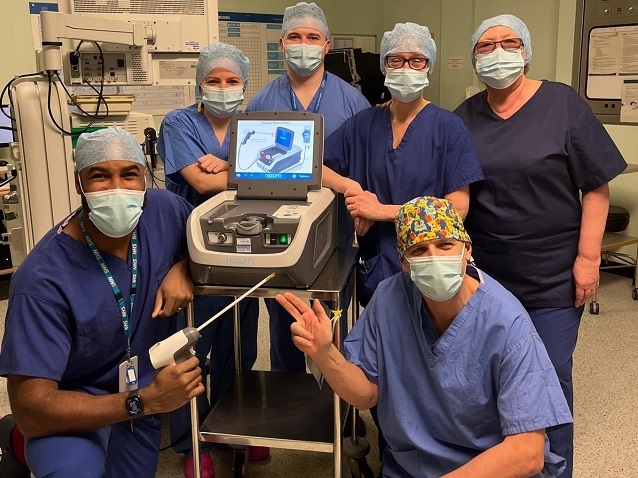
(194,144)
(383,157)
(541,148)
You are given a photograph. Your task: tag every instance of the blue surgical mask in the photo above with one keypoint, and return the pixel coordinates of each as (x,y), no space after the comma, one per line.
(438,277)
(501,68)
(406,85)
(115,212)
(222,102)
(303,59)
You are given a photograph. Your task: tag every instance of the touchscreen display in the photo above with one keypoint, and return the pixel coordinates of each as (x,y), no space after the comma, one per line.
(279,150)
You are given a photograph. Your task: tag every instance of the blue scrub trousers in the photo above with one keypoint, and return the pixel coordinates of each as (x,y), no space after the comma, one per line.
(110,452)
(558,328)
(218,340)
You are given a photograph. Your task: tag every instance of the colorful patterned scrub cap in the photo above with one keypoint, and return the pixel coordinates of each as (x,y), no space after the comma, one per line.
(426,218)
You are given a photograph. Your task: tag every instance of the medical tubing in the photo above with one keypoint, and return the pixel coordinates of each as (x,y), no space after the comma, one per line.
(241,297)
(100,98)
(93,116)
(8,91)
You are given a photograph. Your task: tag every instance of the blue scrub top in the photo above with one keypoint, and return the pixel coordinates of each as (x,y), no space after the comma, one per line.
(528,209)
(63,322)
(435,157)
(185,136)
(339,101)
(445,399)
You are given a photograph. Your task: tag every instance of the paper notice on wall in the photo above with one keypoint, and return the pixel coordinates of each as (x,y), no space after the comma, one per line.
(629,102)
(604,52)
(454,63)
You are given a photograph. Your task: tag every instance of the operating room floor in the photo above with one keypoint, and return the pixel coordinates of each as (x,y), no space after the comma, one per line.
(606,388)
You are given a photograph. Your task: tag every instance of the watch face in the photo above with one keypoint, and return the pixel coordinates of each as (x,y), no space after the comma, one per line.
(134,405)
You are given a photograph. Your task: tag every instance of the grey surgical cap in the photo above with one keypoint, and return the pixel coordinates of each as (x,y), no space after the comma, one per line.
(107,145)
(307,15)
(221,55)
(513,23)
(408,37)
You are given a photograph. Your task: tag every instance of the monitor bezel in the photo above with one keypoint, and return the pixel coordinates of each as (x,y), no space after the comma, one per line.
(274,189)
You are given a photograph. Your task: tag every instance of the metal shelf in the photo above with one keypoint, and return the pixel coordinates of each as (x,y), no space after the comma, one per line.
(282,410)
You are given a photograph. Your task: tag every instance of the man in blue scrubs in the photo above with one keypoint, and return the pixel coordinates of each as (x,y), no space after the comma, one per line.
(85,307)
(306,86)
(463,383)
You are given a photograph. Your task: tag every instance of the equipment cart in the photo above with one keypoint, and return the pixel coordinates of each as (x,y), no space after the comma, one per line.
(275,409)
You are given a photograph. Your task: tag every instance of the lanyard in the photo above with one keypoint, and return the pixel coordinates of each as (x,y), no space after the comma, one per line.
(126,323)
(319,95)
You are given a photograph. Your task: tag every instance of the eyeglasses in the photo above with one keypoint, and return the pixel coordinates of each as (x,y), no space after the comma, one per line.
(490,46)
(396,62)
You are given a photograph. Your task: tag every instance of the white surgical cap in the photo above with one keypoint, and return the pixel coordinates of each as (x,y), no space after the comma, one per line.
(513,23)
(221,55)
(408,37)
(107,144)
(307,15)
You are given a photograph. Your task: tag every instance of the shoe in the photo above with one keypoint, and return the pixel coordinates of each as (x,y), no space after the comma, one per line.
(206,464)
(10,467)
(258,453)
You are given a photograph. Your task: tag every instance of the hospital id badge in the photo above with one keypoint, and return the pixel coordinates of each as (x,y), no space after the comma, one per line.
(128,375)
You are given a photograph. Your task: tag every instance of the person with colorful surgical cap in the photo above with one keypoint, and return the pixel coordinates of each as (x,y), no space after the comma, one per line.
(463,384)
(306,86)
(86,305)
(194,143)
(539,216)
(382,157)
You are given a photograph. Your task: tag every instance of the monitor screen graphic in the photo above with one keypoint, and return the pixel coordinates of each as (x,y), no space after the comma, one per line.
(274,149)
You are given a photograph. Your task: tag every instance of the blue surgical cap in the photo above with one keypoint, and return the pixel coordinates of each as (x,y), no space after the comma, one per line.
(221,55)
(307,15)
(408,37)
(513,23)
(107,144)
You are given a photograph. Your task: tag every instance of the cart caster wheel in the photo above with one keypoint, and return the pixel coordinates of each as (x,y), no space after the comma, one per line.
(356,451)
(240,457)
(361,469)
(634,294)
(594,308)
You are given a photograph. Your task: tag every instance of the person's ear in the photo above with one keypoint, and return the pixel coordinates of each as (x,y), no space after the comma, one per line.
(405,265)
(78,187)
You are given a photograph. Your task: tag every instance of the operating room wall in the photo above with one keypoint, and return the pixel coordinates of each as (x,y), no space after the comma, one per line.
(551,23)
(623,189)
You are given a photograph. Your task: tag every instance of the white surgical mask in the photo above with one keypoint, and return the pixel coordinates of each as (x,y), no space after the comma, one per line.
(304,59)
(438,277)
(222,102)
(500,68)
(406,85)
(115,212)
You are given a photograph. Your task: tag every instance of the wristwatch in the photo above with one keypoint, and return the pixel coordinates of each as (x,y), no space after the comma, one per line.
(134,404)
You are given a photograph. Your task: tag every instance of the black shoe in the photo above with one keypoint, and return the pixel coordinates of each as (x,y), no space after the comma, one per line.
(9,466)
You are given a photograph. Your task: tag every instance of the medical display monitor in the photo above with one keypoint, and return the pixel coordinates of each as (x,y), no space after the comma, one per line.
(282,150)
(6,135)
